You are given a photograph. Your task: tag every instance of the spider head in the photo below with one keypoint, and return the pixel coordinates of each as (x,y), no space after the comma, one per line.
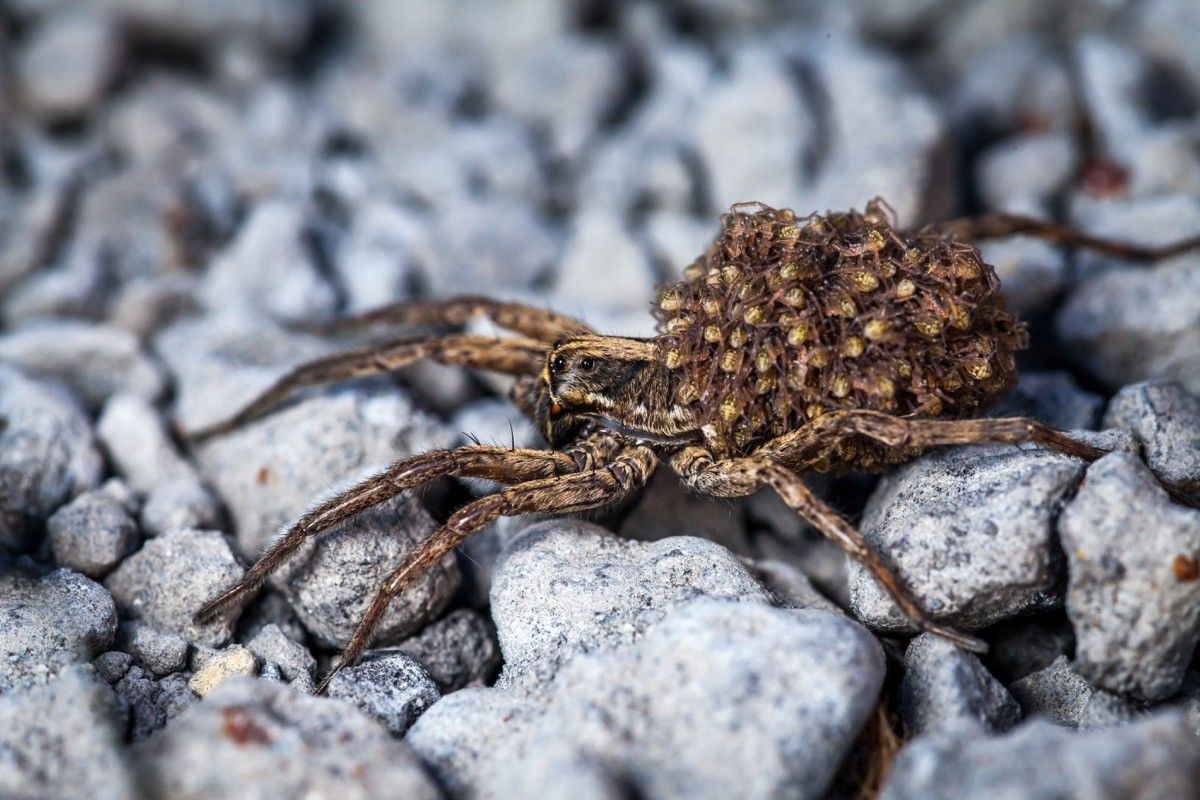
(617,381)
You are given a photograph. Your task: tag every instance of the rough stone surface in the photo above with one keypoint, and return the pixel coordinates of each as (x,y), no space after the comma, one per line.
(1133,599)
(1057,692)
(160,653)
(943,683)
(1025,645)
(597,590)
(970,530)
(171,577)
(95,361)
(657,710)
(253,737)
(50,623)
(150,704)
(1053,398)
(456,651)
(232,662)
(69,62)
(790,586)
(1165,419)
(92,533)
(47,453)
(331,581)
(136,439)
(63,740)
(296,664)
(180,503)
(1156,758)
(270,472)
(389,686)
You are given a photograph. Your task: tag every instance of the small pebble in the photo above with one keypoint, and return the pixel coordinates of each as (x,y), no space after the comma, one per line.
(232,662)
(92,534)
(457,650)
(943,683)
(160,653)
(388,686)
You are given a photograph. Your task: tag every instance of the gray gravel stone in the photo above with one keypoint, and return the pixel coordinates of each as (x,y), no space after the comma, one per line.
(596,590)
(1022,646)
(47,453)
(790,586)
(1057,692)
(330,582)
(63,740)
(668,712)
(94,360)
(603,265)
(112,665)
(150,704)
(70,60)
(92,534)
(259,738)
(971,531)
(943,683)
(220,363)
(1053,398)
(295,662)
(160,653)
(271,267)
(1132,598)
(1157,758)
(1027,168)
(233,662)
(1031,272)
(456,651)
(1165,419)
(136,438)
(389,686)
(179,504)
(171,577)
(270,608)
(666,508)
(49,623)
(1136,323)
(269,472)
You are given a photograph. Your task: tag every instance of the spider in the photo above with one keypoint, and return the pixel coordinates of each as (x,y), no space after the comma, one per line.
(794,345)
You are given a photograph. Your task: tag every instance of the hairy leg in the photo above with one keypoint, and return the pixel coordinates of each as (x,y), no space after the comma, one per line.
(999,226)
(808,443)
(515,356)
(536,323)
(564,494)
(742,476)
(500,464)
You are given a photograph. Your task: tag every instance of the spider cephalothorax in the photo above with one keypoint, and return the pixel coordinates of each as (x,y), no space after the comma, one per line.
(793,345)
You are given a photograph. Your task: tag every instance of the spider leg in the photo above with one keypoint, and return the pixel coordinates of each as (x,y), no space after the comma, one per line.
(495,463)
(564,494)
(806,444)
(742,476)
(536,323)
(515,356)
(1000,225)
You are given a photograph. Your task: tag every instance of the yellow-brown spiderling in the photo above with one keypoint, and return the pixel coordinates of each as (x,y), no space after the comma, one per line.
(786,319)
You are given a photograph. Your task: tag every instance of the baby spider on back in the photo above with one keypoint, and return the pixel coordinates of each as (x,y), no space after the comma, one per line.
(793,345)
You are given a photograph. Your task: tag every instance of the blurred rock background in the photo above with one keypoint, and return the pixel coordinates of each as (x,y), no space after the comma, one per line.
(182,184)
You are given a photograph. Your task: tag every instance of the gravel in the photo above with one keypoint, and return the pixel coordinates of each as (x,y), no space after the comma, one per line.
(47,453)
(1155,758)
(160,653)
(92,533)
(171,577)
(597,590)
(185,187)
(259,738)
(63,740)
(942,684)
(971,531)
(49,623)
(388,686)
(1133,600)
(1165,419)
(655,712)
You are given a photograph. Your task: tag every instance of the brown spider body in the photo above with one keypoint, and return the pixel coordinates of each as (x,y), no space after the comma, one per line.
(785,319)
(792,346)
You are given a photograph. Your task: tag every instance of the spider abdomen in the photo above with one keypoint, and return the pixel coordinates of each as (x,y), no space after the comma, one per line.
(785,319)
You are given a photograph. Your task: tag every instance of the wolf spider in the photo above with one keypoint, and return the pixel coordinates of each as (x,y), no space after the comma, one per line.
(793,345)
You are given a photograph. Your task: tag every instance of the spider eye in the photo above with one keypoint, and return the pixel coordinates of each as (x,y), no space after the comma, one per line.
(558,364)
(587,363)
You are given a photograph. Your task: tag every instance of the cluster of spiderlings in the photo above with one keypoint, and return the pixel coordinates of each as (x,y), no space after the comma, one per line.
(787,318)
